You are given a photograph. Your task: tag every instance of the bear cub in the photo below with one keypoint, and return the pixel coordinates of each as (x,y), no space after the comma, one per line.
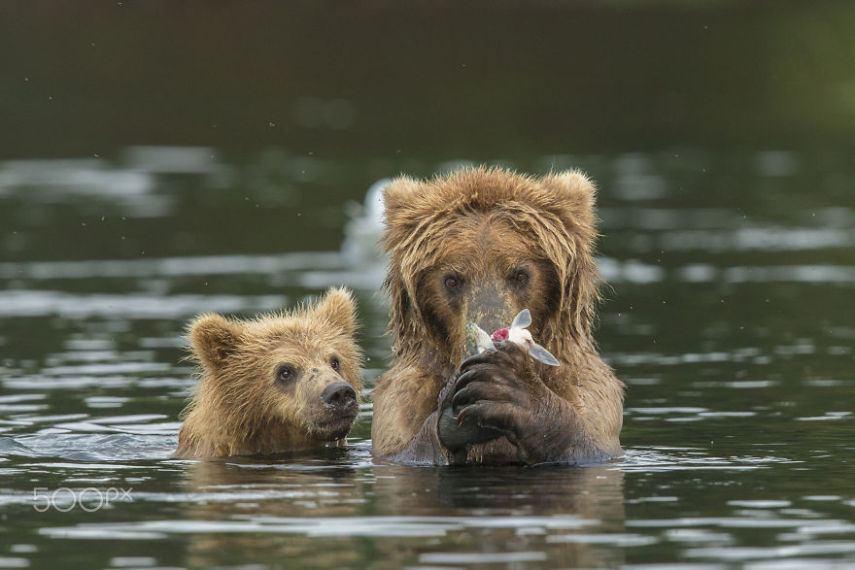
(275,383)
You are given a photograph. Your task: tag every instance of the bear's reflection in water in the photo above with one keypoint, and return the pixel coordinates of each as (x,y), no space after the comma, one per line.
(332,509)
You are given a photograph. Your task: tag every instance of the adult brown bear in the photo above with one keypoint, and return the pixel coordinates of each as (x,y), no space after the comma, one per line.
(480,245)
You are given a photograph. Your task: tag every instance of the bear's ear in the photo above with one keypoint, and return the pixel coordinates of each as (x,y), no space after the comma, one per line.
(213,339)
(398,201)
(338,308)
(577,195)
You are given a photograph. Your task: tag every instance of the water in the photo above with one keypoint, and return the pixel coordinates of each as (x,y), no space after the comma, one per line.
(724,317)
(728,222)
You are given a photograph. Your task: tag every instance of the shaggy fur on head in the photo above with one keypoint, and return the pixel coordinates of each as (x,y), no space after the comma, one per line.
(242,404)
(553,215)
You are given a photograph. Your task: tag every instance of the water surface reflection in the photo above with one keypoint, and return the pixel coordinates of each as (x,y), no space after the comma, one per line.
(725,316)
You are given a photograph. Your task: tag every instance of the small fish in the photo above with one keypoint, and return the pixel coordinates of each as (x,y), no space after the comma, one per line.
(516,333)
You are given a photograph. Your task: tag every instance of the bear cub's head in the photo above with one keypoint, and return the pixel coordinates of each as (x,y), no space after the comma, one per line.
(276,382)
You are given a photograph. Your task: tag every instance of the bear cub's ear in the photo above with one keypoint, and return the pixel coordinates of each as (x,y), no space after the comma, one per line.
(338,308)
(213,339)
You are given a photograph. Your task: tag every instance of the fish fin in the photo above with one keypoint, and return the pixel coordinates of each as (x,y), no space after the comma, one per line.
(541,354)
(522,320)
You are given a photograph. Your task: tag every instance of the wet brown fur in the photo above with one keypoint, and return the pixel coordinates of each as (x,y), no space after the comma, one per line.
(484,222)
(239,409)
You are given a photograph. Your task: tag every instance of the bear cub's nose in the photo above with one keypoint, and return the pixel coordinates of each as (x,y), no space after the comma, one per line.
(339,395)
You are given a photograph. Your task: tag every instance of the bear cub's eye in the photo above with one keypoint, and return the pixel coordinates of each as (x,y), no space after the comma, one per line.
(335,363)
(452,282)
(285,373)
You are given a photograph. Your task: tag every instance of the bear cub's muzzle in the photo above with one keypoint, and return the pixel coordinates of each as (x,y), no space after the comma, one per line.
(340,396)
(336,409)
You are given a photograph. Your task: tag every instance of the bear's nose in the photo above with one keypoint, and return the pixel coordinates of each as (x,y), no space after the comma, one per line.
(339,395)
(314,370)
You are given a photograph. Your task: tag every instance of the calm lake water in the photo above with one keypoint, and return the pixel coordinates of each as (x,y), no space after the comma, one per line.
(153,167)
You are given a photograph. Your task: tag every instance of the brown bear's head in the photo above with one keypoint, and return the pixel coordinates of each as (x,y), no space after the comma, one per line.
(482,244)
(296,373)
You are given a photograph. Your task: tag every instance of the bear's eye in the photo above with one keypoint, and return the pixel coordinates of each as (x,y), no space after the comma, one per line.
(285,373)
(452,282)
(521,277)
(335,363)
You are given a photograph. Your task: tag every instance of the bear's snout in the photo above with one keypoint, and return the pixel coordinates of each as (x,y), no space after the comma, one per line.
(339,395)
